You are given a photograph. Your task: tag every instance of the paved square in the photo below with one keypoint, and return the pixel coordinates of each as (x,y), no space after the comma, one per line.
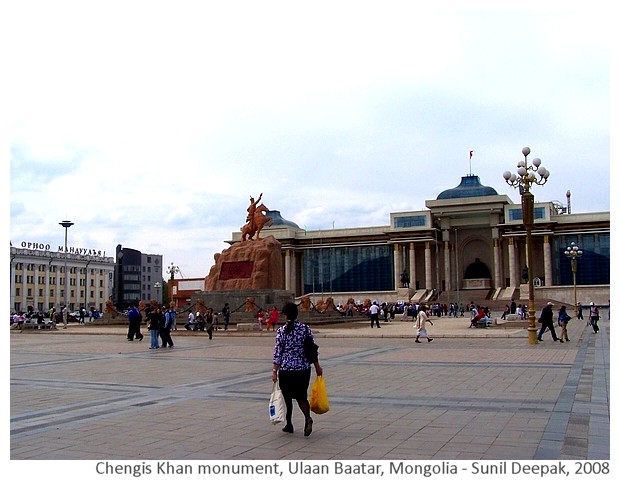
(90,396)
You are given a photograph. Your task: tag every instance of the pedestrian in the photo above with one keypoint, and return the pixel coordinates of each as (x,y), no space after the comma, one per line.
(593,318)
(155,321)
(173,316)
(274,316)
(374,314)
(134,318)
(260,317)
(579,311)
(166,338)
(82,314)
(563,318)
(65,316)
(420,325)
(513,306)
(200,322)
(292,367)
(474,316)
(546,321)
(191,321)
(226,315)
(209,321)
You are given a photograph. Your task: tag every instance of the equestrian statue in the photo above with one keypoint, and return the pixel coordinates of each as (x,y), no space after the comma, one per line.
(256,220)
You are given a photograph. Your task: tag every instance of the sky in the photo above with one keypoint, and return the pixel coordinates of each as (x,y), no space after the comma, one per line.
(150,124)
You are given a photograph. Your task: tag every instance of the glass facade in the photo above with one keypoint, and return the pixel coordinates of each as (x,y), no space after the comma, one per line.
(410,221)
(593,267)
(348,269)
(516,214)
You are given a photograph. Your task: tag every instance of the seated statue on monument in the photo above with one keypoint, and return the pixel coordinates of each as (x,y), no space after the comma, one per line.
(306,304)
(250,305)
(256,219)
(326,305)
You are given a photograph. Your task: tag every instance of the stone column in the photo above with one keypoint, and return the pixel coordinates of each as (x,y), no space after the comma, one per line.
(513,273)
(288,270)
(412,276)
(447,269)
(547,262)
(497,271)
(398,265)
(428,266)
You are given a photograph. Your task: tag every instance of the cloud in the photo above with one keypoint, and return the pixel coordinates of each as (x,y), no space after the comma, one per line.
(151,128)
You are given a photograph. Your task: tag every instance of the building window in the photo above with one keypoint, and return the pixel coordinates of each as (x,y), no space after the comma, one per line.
(593,267)
(348,269)
(516,214)
(410,221)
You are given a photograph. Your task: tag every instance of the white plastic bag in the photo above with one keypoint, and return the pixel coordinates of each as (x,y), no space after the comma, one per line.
(276,405)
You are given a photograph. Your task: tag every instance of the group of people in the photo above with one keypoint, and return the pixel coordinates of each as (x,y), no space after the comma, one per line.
(270,319)
(159,322)
(480,316)
(546,321)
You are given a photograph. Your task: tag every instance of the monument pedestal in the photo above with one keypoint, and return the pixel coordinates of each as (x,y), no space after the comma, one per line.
(237,299)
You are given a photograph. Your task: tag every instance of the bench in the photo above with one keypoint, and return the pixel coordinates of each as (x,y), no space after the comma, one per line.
(38,326)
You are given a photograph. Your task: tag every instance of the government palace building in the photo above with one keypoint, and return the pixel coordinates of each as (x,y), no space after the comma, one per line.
(468,243)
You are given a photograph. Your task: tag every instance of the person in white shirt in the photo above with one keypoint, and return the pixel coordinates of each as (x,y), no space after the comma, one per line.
(374,315)
(191,321)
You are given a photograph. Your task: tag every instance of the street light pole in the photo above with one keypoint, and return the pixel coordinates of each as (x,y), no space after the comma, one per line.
(66,224)
(524,179)
(157,288)
(573,252)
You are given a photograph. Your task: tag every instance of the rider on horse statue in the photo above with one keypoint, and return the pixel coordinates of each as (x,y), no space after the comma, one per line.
(256,219)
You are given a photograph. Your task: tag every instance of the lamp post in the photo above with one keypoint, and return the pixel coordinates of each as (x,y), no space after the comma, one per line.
(157,288)
(524,179)
(172,269)
(66,224)
(573,252)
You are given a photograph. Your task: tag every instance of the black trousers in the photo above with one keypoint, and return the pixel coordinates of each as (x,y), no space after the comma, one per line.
(166,339)
(134,330)
(543,329)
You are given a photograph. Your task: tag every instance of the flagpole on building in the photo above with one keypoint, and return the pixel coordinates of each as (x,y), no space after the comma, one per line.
(471,154)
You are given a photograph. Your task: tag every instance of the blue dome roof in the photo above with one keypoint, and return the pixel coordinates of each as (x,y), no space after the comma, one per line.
(470,187)
(279,220)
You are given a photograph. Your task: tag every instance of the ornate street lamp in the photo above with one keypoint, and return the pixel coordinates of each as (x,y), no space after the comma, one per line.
(66,224)
(172,269)
(524,179)
(573,252)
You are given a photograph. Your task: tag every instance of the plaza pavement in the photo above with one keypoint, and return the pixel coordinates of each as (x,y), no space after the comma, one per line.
(86,393)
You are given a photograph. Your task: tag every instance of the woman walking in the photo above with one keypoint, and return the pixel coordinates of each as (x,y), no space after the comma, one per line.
(155,321)
(563,319)
(421,325)
(292,366)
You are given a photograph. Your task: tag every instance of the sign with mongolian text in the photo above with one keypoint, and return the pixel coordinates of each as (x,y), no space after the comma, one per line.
(46,247)
(236,270)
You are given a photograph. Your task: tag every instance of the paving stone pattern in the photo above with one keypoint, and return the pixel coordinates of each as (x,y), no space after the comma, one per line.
(471,394)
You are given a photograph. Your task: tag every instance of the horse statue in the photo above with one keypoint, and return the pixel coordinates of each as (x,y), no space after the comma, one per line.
(256,223)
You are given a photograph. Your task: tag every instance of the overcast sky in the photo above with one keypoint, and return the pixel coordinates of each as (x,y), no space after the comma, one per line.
(149,124)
